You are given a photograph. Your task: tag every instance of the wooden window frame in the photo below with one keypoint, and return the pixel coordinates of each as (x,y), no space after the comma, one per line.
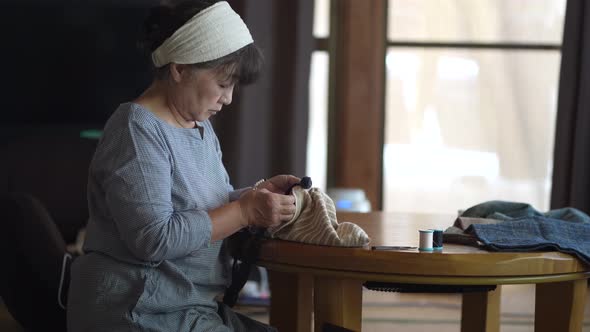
(357,48)
(357,96)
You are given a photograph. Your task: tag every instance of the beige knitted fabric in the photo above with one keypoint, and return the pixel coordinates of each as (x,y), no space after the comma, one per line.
(315,223)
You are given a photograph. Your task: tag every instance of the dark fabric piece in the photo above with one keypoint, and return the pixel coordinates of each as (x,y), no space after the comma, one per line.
(264,131)
(31,249)
(424,288)
(244,247)
(571,156)
(327,327)
(517,226)
(536,233)
(457,234)
(505,210)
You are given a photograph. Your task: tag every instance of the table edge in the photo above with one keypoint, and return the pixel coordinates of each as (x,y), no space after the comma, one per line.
(423,279)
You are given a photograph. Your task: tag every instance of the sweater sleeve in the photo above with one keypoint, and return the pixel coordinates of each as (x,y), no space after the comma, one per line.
(234,195)
(139,197)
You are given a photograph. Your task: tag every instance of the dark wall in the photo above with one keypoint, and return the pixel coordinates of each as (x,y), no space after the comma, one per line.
(65,66)
(70,62)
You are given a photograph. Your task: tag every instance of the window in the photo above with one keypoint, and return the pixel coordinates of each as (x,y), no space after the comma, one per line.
(471,95)
(317,138)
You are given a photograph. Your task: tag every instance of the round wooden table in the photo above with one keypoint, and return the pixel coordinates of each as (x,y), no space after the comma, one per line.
(319,284)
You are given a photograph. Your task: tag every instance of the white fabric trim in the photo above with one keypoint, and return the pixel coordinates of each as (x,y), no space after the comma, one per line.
(60,289)
(211,34)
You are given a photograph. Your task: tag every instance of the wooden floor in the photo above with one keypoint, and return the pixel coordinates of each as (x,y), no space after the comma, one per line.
(413,312)
(438,312)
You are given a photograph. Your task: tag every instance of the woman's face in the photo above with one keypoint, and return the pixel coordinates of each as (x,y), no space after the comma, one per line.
(197,94)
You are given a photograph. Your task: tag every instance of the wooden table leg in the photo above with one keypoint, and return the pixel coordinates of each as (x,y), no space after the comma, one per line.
(480,311)
(338,302)
(559,306)
(291,302)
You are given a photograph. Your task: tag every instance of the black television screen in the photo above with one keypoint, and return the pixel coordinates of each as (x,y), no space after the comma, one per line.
(70,62)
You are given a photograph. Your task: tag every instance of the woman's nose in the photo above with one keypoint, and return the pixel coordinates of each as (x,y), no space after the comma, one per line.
(226,98)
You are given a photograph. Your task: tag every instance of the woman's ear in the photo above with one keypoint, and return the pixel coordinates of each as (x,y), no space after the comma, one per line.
(177,71)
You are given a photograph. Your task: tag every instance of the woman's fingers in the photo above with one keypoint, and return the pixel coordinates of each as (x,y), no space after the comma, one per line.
(287,199)
(285,218)
(283,182)
(287,210)
(268,209)
(290,179)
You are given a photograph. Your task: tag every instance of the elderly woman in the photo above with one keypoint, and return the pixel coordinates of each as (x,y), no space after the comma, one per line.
(159,197)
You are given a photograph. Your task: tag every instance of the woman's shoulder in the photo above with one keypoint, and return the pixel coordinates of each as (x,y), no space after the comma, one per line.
(130,117)
(131,113)
(130,126)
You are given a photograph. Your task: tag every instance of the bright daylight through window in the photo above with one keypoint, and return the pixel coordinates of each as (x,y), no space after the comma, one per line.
(470,102)
(317,138)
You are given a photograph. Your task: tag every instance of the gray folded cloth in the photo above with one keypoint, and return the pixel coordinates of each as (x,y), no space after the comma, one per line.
(513,226)
(457,233)
(506,210)
(536,233)
(315,222)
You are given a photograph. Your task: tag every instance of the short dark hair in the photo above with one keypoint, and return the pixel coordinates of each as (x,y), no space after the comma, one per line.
(242,66)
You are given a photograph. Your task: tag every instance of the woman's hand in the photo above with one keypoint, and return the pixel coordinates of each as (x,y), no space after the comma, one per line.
(279,184)
(264,208)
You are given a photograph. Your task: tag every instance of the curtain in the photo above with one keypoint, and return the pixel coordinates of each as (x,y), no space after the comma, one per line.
(264,131)
(571,160)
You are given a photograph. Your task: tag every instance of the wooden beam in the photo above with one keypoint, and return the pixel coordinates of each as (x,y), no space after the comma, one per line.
(559,306)
(480,311)
(338,302)
(291,304)
(358,77)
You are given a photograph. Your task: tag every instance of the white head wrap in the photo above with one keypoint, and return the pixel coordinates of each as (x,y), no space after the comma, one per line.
(211,34)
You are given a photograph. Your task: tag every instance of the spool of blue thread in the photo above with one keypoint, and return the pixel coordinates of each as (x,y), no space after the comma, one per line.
(437,239)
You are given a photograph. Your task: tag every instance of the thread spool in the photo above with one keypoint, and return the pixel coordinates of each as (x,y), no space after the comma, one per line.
(437,239)
(426,240)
